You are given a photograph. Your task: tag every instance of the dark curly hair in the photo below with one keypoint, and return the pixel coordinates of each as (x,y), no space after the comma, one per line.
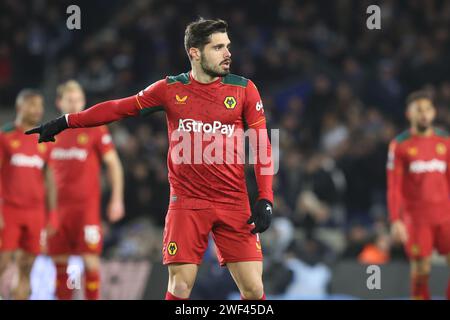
(198,33)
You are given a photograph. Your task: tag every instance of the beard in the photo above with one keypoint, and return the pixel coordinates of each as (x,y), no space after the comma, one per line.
(211,70)
(421,128)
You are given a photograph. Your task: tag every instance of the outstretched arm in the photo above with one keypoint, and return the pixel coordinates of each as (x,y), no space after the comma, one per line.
(104,112)
(99,114)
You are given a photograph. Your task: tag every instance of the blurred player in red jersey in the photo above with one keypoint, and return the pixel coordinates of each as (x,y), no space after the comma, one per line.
(76,158)
(418,191)
(208,196)
(27,191)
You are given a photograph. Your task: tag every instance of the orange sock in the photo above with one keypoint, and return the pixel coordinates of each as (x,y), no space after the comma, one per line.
(62,290)
(419,287)
(92,285)
(170,296)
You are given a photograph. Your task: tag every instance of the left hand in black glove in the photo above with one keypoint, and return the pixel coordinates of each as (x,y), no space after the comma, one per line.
(49,130)
(261,216)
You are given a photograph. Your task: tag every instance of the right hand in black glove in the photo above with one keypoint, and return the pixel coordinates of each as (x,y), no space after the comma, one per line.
(49,130)
(261,216)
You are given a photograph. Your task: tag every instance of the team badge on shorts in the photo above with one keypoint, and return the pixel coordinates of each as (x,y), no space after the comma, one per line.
(415,249)
(92,236)
(230,102)
(172,248)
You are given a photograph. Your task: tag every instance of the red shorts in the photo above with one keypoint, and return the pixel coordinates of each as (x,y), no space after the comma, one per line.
(423,238)
(23,229)
(187,231)
(79,231)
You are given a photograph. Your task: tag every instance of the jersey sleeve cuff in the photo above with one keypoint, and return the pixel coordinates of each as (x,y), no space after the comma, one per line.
(67,119)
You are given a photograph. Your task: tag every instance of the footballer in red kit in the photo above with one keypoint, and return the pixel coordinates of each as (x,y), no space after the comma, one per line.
(205,109)
(27,191)
(76,159)
(418,191)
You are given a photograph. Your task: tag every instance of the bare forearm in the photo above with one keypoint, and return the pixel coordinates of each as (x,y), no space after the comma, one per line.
(51,190)
(115,175)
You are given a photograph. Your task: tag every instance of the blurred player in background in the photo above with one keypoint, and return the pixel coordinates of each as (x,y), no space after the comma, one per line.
(76,158)
(27,191)
(418,191)
(209,196)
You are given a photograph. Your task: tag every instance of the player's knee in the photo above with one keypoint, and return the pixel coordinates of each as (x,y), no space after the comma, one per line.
(24,266)
(3,264)
(426,269)
(180,287)
(60,259)
(422,267)
(91,262)
(252,291)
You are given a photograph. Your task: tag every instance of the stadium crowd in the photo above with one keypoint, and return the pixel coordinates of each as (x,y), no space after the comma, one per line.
(334,88)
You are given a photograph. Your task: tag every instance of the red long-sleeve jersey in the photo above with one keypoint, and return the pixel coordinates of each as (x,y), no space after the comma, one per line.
(76,159)
(214,114)
(419,177)
(22,162)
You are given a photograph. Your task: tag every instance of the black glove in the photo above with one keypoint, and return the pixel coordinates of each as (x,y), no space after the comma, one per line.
(49,130)
(261,216)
